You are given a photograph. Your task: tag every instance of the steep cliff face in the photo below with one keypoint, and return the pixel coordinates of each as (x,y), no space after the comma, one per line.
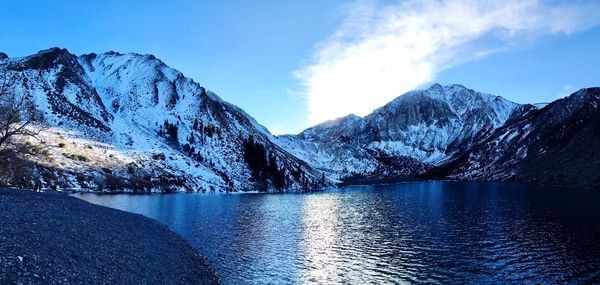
(407,136)
(130,120)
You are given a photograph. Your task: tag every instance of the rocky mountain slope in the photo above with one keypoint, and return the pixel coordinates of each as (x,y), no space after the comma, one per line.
(128,121)
(557,144)
(409,135)
(451,132)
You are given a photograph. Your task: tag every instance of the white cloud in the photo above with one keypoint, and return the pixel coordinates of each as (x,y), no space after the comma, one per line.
(381,51)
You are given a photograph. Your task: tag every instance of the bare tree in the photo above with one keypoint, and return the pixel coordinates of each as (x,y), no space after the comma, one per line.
(19,122)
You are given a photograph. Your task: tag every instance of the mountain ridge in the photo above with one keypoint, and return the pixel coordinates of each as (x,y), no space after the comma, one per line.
(151,118)
(551,145)
(130,122)
(419,129)
(415,136)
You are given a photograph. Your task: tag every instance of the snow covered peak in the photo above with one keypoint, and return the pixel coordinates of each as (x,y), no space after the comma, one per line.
(347,125)
(154,116)
(129,65)
(459,100)
(416,130)
(348,119)
(44,60)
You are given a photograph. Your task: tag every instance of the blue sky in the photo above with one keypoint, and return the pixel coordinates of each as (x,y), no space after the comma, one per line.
(291,64)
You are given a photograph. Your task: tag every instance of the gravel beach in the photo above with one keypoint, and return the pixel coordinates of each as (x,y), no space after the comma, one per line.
(49,238)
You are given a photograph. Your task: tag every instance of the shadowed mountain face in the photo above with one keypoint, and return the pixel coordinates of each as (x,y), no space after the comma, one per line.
(553,145)
(130,121)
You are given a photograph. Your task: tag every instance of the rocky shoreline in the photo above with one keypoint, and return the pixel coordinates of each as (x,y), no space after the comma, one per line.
(49,238)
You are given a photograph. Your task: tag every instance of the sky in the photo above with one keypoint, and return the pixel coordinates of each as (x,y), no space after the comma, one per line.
(293,64)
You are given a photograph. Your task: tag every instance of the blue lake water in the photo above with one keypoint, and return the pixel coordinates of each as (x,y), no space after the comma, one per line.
(426,232)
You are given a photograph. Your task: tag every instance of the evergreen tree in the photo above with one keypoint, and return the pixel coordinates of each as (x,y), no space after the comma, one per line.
(171,131)
(262,166)
(195,125)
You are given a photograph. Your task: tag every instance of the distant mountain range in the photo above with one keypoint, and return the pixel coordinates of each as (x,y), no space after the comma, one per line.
(129,122)
(451,132)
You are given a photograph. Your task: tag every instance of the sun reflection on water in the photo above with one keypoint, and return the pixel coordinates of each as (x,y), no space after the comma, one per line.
(320,235)
(431,232)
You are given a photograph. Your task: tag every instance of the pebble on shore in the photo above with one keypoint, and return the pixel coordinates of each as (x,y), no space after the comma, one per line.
(49,238)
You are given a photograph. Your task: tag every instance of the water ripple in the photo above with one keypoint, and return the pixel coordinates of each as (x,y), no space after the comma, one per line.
(426,233)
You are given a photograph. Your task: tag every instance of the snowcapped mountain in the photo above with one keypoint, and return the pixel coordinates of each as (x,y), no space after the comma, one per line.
(557,144)
(128,121)
(407,136)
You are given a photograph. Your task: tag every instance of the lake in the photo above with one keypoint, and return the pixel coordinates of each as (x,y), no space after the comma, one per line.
(425,232)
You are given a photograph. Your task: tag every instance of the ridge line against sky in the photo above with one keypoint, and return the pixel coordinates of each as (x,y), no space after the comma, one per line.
(292,64)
